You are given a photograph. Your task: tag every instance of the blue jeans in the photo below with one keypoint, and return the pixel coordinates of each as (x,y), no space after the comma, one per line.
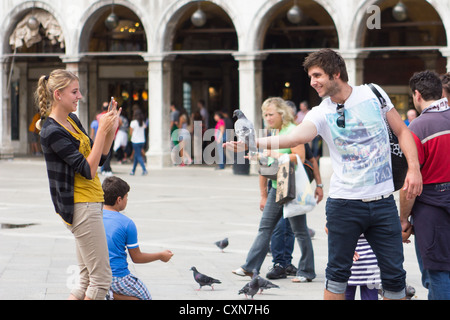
(431,221)
(379,221)
(282,243)
(437,282)
(271,215)
(137,147)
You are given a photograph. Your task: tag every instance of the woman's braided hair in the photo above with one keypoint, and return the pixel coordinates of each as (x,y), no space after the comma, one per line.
(58,79)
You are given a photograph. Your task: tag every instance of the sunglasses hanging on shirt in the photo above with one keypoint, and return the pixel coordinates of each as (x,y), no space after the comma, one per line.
(340,121)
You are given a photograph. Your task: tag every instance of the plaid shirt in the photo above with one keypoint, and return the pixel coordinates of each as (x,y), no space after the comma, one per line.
(63,159)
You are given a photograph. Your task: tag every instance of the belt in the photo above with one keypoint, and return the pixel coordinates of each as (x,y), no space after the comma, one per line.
(376,198)
(441,187)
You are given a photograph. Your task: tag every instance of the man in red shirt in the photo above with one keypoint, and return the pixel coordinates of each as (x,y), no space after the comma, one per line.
(431,210)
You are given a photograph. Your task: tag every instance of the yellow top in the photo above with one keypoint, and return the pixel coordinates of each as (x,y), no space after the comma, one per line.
(85,190)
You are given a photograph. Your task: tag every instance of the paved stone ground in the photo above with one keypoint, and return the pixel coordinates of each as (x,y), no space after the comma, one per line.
(182,209)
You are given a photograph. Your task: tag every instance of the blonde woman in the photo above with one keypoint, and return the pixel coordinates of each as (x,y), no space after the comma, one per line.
(278,117)
(72,160)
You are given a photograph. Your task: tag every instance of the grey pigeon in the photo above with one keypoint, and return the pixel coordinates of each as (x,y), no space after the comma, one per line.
(203,280)
(222,244)
(410,292)
(257,283)
(245,131)
(264,284)
(251,288)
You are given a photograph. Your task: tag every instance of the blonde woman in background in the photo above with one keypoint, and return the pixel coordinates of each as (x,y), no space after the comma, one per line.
(72,160)
(278,117)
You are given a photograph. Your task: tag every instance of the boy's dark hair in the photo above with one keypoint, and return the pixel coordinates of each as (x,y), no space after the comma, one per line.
(428,84)
(445,79)
(114,187)
(330,61)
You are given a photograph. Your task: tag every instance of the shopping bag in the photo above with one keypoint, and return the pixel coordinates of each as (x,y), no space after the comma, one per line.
(285,180)
(304,200)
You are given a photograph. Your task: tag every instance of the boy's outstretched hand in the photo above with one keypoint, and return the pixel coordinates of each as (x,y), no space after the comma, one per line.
(166,255)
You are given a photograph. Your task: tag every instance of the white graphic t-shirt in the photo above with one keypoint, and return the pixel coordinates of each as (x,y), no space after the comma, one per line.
(360,152)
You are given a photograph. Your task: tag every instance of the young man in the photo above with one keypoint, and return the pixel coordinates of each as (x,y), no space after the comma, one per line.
(351,121)
(121,233)
(431,210)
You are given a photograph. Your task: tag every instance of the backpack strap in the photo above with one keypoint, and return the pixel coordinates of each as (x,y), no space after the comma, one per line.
(378,94)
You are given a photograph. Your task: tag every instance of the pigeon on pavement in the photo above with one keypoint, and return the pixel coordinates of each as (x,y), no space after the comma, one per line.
(264,284)
(204,280)
(251,288)
(257,283)
(222,244)
(245,131)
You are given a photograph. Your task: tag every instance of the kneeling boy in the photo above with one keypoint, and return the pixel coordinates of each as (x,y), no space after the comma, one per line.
(121,234)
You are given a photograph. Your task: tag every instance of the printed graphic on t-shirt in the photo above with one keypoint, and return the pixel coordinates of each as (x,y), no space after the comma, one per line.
(362,144)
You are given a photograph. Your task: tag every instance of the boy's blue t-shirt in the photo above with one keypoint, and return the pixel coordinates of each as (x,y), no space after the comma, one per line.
(121,233)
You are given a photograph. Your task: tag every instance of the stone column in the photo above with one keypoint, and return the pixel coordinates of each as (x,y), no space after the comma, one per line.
(446,54)
(159,88)
(251,86)
(251,91)
(354,60)
(6,149)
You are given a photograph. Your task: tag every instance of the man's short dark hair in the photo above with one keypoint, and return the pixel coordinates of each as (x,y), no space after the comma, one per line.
(330,61)
(445,79)
(114,187)
(428,84)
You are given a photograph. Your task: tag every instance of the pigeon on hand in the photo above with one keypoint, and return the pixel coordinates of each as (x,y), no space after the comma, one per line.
(203,280)
(245,131)
(222,244)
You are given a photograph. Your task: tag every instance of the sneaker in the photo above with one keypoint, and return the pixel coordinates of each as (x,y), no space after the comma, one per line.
(291,270)
(131,173)
(241,272)
(277,272)
(145,173)
(301,279)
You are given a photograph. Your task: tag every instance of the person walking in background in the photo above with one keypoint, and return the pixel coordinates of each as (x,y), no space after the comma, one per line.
(72,160)
(106,167)
(33,135)
(122,235)
(430,210)
(204,113)
(184,138)
(220,138)
(411,114)
(174,119)
(94,128)
(137,132)
(121,140)
(304,109)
